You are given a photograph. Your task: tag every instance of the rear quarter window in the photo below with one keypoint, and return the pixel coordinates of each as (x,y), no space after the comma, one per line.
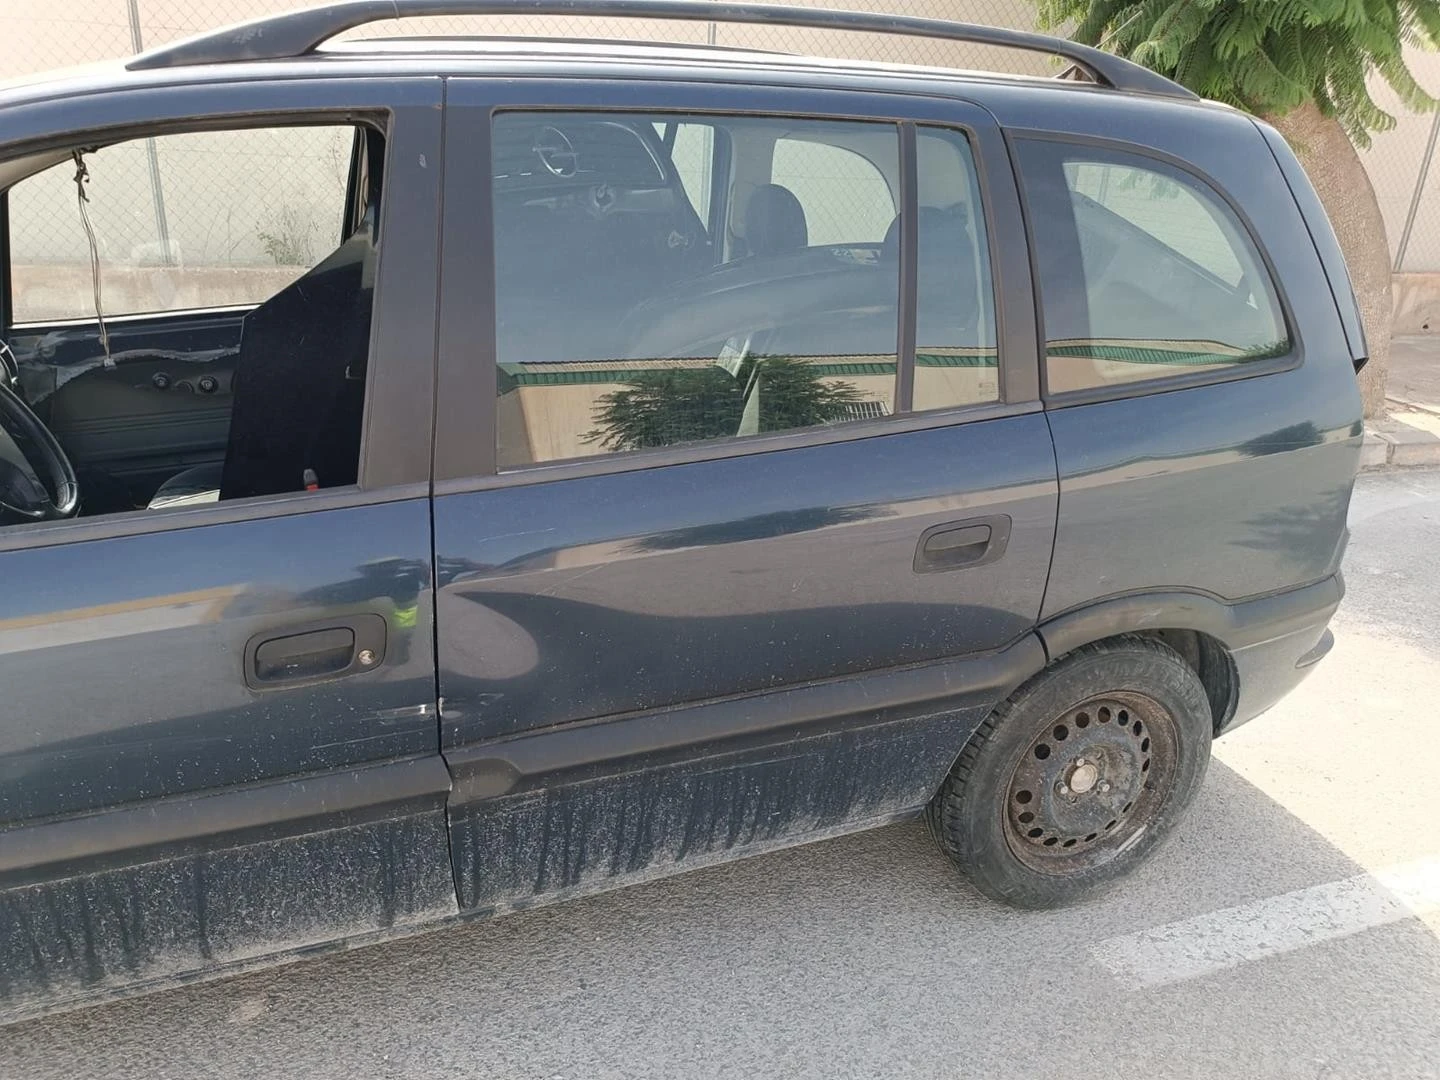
(1145,273)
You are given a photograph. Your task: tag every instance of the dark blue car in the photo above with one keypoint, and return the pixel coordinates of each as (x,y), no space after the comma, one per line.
(498,471)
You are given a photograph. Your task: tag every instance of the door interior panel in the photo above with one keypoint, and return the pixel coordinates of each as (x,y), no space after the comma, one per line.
(169,385)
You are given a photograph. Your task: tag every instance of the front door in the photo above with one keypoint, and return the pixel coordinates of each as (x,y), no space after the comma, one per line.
(744,491)
(219,734)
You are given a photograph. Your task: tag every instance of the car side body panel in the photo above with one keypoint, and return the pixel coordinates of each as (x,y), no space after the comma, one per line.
(193,887)
(143,640)
(580,809)
(668,614)
(640,590)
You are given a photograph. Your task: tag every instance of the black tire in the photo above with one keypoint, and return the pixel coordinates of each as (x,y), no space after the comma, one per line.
(1012,813)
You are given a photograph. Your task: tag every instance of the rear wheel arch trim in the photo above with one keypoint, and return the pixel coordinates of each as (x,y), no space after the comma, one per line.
(1235,624)
(1205,631)
(1204,654)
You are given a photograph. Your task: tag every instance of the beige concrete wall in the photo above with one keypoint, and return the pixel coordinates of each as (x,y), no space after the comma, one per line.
(49,292)
(231,199)
(1416,300)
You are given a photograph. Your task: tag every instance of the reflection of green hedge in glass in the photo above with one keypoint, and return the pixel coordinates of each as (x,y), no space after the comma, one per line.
(679,405)
(1132,354)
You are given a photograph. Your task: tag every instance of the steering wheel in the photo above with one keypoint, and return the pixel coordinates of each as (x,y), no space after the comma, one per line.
(37,481)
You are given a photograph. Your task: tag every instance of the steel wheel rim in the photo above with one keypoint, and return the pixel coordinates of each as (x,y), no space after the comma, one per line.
(1091,783)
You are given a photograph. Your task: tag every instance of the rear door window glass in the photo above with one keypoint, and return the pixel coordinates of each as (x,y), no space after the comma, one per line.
(621,325)
(1144,272)
(955,354)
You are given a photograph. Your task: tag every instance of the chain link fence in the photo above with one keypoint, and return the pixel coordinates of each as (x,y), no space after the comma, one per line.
(180,210)
(1402,167)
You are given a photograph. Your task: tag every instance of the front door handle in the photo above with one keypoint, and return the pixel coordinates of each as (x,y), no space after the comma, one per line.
(314,652)
(959,544)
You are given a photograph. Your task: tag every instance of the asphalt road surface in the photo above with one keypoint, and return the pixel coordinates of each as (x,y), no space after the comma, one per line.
(1291,929)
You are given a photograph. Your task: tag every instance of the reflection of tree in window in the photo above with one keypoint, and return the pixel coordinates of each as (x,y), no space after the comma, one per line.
(679,405)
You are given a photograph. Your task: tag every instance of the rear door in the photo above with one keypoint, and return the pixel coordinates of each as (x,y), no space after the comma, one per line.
(742,487)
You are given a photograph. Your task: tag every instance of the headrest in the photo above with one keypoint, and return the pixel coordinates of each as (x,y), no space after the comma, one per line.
(775,221)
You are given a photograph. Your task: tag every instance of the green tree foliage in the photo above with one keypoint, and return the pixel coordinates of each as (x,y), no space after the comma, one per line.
(679,405)
(1268,56)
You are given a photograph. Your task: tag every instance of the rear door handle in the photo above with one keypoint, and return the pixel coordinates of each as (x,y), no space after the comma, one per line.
(314,652)
(956,545)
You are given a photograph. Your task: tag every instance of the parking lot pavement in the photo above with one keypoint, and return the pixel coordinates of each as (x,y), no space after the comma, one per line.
(1291,929)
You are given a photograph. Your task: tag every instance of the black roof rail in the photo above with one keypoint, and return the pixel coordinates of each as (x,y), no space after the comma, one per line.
(299,33)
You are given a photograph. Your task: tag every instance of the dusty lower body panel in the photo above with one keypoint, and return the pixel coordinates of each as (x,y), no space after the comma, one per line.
(598,832)
(126,929)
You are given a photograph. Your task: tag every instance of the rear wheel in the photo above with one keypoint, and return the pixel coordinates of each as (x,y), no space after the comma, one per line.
(1078,776)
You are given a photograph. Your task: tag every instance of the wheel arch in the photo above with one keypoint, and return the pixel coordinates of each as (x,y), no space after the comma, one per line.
(1202,630)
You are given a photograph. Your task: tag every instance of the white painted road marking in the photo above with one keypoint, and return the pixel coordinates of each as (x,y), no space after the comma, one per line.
(1224,939)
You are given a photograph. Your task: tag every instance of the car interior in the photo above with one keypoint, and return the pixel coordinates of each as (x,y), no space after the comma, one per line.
(196,406)
(611,232)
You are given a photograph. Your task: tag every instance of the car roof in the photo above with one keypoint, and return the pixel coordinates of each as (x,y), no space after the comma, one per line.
(312,43)
(555,54)
(306,38)
(552,57)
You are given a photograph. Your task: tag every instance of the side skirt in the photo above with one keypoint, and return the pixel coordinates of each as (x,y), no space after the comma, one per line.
(586,807)
(84,921)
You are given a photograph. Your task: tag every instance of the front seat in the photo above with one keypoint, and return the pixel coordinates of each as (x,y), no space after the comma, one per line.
(775,221)
(193,487)
(299,385)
